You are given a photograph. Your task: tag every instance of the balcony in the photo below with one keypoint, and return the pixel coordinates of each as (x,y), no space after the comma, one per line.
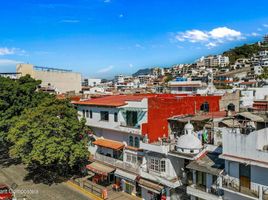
(117,163)
(233,185)
(200,192)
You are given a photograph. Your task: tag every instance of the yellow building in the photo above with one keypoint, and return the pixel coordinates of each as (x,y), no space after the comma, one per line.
(60,80)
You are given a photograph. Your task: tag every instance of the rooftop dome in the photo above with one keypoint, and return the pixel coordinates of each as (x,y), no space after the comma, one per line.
(188,128)
(189,141)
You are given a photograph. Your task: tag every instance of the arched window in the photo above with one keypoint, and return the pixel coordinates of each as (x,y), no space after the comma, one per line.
(204,107)
(231,107)
(130,140)
(137,142)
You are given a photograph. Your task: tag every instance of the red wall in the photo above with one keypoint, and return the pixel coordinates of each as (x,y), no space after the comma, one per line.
(161,108)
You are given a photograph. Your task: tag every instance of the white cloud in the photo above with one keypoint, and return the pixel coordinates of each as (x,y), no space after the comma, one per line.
(7,51)
(211,38)
(265,25)
(192,36)
(121,15)
(8,62)
(106,69)
(11,51)
(130,65)
(254,34)
(224,33)
(70,21)
(211,44)
(137,45)
(259,29)
(107,1)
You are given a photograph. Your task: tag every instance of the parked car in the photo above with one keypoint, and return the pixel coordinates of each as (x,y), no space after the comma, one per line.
(5,192)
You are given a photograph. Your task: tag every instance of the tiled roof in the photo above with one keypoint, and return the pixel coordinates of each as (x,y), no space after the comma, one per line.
(111,144)
(114,101)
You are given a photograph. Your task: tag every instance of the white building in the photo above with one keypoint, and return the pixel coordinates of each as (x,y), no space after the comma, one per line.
(61,80)
(249,95)
(246,166)
(185,87)
(92,82)
(116,118)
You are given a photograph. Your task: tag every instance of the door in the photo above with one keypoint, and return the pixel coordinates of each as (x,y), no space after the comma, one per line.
(244,176)
(129,187)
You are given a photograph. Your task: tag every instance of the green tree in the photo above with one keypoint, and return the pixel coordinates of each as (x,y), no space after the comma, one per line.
(50,137)
(16,96)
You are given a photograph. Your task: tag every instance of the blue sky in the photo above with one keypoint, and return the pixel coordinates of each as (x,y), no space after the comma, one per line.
(101,38)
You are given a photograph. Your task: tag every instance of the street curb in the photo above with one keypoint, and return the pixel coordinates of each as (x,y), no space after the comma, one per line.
(85,192)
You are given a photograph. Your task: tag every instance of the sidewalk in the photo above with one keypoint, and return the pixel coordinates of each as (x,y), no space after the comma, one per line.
(112,195)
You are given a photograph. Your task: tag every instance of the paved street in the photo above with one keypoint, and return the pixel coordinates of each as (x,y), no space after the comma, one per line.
(16,173)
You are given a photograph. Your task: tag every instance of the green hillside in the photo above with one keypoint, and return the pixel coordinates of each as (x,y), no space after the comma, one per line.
(245,51)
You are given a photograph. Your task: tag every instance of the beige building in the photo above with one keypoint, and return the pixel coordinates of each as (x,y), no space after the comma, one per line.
(60,80)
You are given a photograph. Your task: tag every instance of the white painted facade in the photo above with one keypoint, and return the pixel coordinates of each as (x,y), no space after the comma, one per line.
(249,151)
(112,129)
(250,94)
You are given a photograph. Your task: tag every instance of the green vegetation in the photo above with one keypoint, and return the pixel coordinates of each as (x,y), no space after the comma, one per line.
(168,78)
(245,51)
(264,74)
(39,130)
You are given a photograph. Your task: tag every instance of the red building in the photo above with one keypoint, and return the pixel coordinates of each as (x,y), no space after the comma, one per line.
(162,107)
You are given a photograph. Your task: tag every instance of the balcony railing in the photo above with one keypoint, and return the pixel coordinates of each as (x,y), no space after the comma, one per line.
(202,192)
(117,163)
(233,184)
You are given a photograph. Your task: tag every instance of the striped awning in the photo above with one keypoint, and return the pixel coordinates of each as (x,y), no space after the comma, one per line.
(100,168)
(125,175)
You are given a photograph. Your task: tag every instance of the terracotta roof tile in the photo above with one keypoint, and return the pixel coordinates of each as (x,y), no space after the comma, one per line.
(111,144)
(114,101)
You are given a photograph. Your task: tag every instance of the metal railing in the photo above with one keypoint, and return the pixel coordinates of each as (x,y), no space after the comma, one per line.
(234,184)
(88,185)
(117,163)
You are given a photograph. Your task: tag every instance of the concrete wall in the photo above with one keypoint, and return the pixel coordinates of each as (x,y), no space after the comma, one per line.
(250,94)
(232,196)
(61,81)
(174,166)
(228,98)
(246,146)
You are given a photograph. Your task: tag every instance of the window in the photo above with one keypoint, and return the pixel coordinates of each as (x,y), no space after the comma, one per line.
(201,178)
(231,107)
(90,114)
(84,113)
(104,115)
(130,140)
(115,117)
(137,142)
(132,158)
(163,166)
(157,165)
(129,158)
(87,114)
(204,107)
(132,118)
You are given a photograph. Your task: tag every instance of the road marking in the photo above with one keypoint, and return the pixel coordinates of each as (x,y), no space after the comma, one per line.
(87,193)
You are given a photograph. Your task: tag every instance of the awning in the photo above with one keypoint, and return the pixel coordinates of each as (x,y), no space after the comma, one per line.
(100,168)
(111,144)
(125,175)
(153,187)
